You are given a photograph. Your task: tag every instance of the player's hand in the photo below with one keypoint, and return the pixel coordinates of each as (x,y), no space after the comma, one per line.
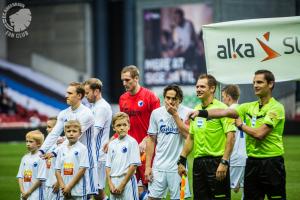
(25,195)
(192,115)
(55,187)
(172,110)
(105,147)
(148,174)
(238,122)
(60,140)
(142,145)
(221,172)
(48,155)
(112,188)
(181,170)
(67,191)
(119,190)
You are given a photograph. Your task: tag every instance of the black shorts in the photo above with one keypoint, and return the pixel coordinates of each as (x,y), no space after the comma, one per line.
(265,176)
(205,184)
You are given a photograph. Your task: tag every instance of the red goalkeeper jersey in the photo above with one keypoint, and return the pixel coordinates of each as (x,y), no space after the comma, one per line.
(139,108)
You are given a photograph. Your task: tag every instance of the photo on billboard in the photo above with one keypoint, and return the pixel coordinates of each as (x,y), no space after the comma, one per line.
(173,44)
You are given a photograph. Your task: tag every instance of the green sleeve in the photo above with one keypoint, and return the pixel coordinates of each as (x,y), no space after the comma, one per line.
(274,115)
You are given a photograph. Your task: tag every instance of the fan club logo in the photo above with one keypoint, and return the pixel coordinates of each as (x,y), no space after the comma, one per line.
(16,19)
(233,49)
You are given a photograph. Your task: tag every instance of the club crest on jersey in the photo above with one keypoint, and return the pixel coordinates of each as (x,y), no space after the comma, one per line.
(140,103)
(76,153)
(35,164)
(124,149)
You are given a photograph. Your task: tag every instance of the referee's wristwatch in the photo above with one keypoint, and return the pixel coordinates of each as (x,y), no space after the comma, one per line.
(224,162)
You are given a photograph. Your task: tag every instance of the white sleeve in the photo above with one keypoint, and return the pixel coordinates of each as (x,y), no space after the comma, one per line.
(108,157)
(20,172)
(101,117)
(41,170)
(83,162)
(153,129)
(54,134)
(58,161)
(134,156)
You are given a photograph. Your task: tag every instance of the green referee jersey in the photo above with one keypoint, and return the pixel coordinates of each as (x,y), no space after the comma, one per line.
(210,134)
(270,114)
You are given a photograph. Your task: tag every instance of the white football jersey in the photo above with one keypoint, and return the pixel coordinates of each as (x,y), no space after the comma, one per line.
(121,154)
(169,141)
(238,156)
(32,168)
(85,117)
(102,115)
(69,160)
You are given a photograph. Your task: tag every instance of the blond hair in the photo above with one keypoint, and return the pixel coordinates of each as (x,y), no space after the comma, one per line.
(133,70)
(119,116)
(36,135)
(72,123)
(94,83)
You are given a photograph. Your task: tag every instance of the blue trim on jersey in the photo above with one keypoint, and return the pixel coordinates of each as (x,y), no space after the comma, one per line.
(58,195)
(33,93)
(84,188)
(98,142)
(89,146)
(134,188)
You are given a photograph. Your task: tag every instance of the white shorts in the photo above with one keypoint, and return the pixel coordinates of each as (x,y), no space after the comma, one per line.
(92,183)
(50,195)
(101,175)
(130,191)
(74,198)
(237,176)
(162,181)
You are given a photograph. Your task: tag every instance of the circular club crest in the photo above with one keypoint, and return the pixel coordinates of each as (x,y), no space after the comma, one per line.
(140,103)
(16,19)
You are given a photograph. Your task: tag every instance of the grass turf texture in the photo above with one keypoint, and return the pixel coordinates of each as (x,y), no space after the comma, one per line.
(11,154)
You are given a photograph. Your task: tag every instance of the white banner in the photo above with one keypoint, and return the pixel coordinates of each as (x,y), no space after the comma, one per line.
(235,50)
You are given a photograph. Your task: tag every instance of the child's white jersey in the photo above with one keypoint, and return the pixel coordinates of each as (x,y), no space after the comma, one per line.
(32,168)
(121,154)
(169,141)
(238,156)
(102,115)
(69,160)
(85,117)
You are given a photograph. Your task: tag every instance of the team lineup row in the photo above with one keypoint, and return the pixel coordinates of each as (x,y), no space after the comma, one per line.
(220,136)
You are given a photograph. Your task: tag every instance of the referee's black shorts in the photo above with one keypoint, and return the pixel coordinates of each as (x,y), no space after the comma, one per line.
(205,184)
(265,176)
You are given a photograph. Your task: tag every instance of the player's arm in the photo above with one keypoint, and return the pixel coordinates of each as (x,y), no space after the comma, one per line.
(223,166)
(130,172)
(35,185)
(150,144)
(214,113)
(187,148)
(53,135)
(20,181)
(59,178)
(258,133)
(112,187)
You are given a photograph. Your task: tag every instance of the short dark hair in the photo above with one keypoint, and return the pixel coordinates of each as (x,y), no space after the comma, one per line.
(79,88)
(269,76)
(233,91)
(179,12)
(211,80)
(177,89)
(94,83)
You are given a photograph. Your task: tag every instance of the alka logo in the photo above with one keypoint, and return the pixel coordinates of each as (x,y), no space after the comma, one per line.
(16,19)
(235,50)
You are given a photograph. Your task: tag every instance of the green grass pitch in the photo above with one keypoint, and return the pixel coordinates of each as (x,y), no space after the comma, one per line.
(11,154)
